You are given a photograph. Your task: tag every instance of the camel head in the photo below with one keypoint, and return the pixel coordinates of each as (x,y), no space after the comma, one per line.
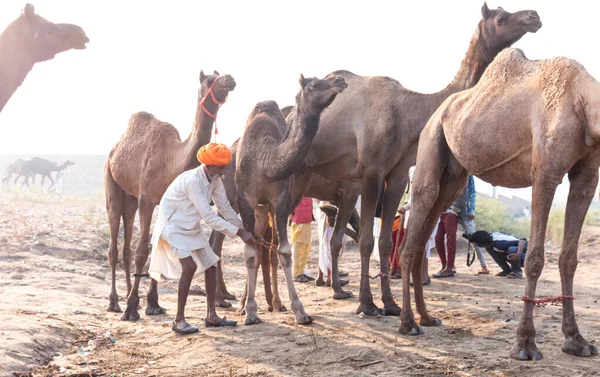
(67,163)
(220,89)
(317,94)
(501,29)
(45,39)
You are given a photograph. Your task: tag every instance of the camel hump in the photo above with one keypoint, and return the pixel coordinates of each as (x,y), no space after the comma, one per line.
(342,72)
(270,108)
(141,117)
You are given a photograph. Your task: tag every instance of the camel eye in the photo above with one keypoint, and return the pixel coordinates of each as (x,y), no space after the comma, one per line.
(500,20)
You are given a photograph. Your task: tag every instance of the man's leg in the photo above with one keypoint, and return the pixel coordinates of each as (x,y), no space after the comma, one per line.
(450,227)
(440,243)
(501,260)
(188,267)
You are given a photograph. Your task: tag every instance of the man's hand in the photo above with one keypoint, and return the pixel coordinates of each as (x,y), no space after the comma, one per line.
(401,210)
(246,236)
(259,237)
(514,257)
(470,216)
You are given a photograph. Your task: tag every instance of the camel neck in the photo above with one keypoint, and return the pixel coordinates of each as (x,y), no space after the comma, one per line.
(294,148)
(201,132)
(15,64)
(476,60)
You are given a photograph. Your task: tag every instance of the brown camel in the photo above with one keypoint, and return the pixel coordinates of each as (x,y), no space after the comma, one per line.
(28,40)
(265,164)
(548,111)
(14,168)
(319,188)
(43,167)
(140,167)
(376,124)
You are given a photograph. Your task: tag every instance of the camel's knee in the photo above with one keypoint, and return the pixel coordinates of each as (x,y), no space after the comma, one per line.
(285,260)
(366,244)
(534,263)
(385,245)
(113,256)
(567,263)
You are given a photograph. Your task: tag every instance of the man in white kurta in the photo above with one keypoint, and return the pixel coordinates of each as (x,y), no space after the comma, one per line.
(179,246)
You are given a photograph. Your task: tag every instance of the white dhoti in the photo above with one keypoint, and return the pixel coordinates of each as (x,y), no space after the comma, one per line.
(165,260)
(325,234)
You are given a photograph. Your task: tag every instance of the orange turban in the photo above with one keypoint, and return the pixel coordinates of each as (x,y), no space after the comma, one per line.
(214,154)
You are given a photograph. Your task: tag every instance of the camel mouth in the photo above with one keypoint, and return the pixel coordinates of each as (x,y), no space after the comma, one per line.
(533,27)
(81,43)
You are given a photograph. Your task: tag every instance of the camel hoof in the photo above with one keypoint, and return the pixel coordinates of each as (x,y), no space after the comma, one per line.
(410,327)
(370,310)
(430,322)
(577,346)
(252,319)
(155,310)
(304,319)
(228,296)
(278,309)
(223,304)
(130,315)
(115,308)
(392,310)
(342,295)
(320,283)
(526,354)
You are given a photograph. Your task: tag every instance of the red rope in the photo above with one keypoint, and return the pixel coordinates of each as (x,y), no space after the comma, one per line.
(217,102)
(546,300)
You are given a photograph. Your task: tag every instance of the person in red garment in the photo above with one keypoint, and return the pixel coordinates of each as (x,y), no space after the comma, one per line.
(302,218)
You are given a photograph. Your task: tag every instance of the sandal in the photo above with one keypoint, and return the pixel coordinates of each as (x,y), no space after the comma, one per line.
(396,275)
(513,275)
(188,329)
(301,279)
(483,271)
(501,273)
(443,274)
(224,322)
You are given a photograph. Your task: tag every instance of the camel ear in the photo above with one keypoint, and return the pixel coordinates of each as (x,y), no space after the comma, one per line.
(485,11)
(216,73)
(28,11)
(202,76)
(302,81)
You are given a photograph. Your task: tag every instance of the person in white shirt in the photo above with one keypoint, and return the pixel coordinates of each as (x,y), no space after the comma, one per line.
(179,247)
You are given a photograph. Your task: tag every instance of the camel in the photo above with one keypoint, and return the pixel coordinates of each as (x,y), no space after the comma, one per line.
(266,160)
(548,110)
(375,125)
(319,188)
(14,168)
(140,167)
(43,167)
(32,39)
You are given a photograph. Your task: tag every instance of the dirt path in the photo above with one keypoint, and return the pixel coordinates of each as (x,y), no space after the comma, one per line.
(54,290)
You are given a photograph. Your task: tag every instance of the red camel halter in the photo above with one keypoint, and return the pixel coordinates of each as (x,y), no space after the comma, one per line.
(216,102)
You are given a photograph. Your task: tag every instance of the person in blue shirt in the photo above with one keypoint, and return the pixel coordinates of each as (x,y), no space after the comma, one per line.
(507,251)
(467,221)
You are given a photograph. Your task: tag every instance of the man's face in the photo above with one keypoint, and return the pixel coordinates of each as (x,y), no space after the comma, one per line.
(215,171)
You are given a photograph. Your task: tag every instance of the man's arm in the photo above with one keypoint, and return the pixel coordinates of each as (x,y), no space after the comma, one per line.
(213,220)
(219,197)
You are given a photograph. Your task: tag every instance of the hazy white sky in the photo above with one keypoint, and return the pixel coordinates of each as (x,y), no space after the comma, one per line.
(147,55)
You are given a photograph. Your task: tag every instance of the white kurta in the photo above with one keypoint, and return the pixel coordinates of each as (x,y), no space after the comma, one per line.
(325,234)
(183,205)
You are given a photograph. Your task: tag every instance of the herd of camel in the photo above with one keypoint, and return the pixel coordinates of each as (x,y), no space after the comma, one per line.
(27,169)
(508,120)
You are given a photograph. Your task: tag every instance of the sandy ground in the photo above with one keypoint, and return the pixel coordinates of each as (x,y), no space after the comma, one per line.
(54,289)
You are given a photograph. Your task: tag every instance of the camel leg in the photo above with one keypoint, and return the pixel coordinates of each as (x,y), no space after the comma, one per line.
(435,186)
(583,182)
(130,206)
(51,182)
(345,209)
(282,211)
(395,184)
(274,261)
(265,266)
(141,256)
(371,185)
(114,209)
(251,257)
(43,178)
(216,244)
(544,187)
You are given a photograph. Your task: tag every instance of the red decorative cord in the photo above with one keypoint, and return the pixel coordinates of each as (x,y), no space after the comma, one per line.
(546,300)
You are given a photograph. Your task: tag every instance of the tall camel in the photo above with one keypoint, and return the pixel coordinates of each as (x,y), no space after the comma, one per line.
(548,109)
(43,167)
(14,168)
(265,164)
(140,167)
(32,39)
(376,123)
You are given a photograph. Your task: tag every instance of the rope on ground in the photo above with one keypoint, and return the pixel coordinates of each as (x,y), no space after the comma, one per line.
(546,300)
(379,275)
